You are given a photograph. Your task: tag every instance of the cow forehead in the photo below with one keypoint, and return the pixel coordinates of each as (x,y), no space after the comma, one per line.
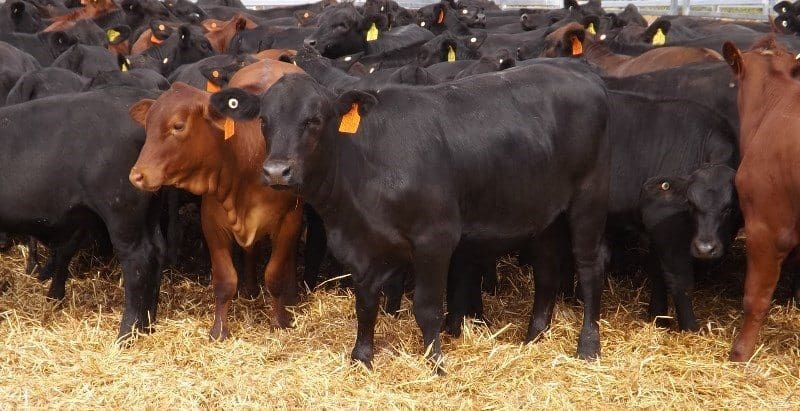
(185,99)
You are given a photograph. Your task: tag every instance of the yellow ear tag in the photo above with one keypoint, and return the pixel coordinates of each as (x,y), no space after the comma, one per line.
(372,33)
(659,38)
(229,127)
(591,29)
(577,46)
(451,54)
(350,121)
(124,67)
(112,35)
(211,87)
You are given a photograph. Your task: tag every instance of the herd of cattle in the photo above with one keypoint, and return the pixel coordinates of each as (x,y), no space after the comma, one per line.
(411,146)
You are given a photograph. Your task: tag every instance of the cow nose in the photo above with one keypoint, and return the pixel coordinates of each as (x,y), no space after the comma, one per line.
(137,179)
(277,173)
(310,42)
(481,18)
(704,248)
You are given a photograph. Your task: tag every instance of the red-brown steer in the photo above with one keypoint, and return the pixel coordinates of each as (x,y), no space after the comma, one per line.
(192,148)
(768,179)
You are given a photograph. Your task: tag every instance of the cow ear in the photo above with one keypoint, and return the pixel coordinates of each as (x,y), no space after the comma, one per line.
(572,42)
(17,9)
(656,33)
(160,29)
(118,34)
(240,23)
(783,7)
(235,103)
(439,13)
(138,111)
(123,63)
(61,41)
(184,36)
(615,21)
(785,24)
(363,100)
(211,25)
(475,41)
(571,5)
(733,57)
(591,23)
(303,17)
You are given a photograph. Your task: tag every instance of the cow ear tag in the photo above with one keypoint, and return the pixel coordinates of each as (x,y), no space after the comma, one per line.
(577,46)
(665,186)
(440,17)
(230,125)
(211,87)
(372,33)
(591,29)
(155,40)
(451,54)
(350,120)
(659,38)
(112,35)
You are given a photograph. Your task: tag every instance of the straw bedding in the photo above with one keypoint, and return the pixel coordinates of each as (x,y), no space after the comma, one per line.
(62,356)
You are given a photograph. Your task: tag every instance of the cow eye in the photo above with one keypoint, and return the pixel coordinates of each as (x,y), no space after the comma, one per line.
(179,126)
(312,122)
(340,26)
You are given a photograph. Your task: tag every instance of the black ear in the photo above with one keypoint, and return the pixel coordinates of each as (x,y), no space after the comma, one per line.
(614,21)
(475,41)
(365,101)
(787,23)
(591,23)
(505,59)
(217,75)
(184,36)
(118,34)
(160,29)
(571,5)
(783,7)
(303,17)
(733,57)
(439,13)
(650,34)
(60,41)
(17,8)
(236,104)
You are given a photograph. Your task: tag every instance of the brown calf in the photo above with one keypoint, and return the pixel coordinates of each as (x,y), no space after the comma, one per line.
(90,10)
(768,179)
(192,148)
(220,33)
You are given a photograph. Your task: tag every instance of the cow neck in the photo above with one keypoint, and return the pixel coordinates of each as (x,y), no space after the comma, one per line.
(759,96)
(600,55)
(239,172)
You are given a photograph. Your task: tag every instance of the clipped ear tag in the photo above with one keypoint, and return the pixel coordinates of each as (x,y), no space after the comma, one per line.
(372,33)
(451,54)
(112,35)
(211,87)
(591,29)
(440,17)
(230,127)
(350,120)
(659,38)
(577,46)
(155,40)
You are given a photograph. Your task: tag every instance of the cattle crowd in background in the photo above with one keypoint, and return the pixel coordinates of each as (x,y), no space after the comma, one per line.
(411,148)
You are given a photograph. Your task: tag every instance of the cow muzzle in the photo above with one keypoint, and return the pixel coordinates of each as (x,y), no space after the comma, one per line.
(706,249)
(278,174)
(140,181)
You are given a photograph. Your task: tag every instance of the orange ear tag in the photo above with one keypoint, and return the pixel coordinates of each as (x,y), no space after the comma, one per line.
(155,40)
(350,120)
(577,46)
(211,87)
(229,128)
(440,17)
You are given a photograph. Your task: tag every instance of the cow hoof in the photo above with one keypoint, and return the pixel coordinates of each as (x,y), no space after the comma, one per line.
(691,327)
(589,350)
(363,354)
(533,335)
(44,274)
(452,325)
(737,355)
(56,293)
(218,333)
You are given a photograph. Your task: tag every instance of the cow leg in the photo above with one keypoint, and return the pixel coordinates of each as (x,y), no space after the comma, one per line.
(33,256)
(658,306)
(464,298)
(796,288)
(316,247)
(489,274)
(366,313)
(141,271)
(280,274)
(248,286)
(59,264)
(393,289)
(549,273)
(5,242)
(431,264)
(223,273)
(172,225)
(765,253)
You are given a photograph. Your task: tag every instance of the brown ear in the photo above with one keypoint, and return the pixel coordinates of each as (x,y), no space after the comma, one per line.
(733,57)
(241,23)
(138,111)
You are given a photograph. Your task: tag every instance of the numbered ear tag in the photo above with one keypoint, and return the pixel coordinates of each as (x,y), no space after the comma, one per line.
(350,120)
(230,128)
(659,38)
(372,33)
(577,46)
(451,54)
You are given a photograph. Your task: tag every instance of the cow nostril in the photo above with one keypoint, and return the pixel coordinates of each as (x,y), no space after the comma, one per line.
(286,172)
(137,177)
(705,248)
(310,42)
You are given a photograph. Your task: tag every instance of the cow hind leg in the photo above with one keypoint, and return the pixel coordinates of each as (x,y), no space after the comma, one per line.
(141,271)
(464,298)
(249,286)
(393,290)
(658,308)
(33,256)
(316,247)
(765,253)
(549,274)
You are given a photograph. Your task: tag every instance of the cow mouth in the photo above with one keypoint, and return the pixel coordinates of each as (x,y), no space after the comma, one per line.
(280,187)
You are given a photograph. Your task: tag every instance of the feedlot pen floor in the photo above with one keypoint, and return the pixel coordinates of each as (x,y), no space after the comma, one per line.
(61,355)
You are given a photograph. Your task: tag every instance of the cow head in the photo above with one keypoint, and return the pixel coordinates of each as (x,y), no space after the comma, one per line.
(566,41)
(766,57)
(184,143)
(299,117)
(23,17)
(221,36)
(343,30)
(447,47)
